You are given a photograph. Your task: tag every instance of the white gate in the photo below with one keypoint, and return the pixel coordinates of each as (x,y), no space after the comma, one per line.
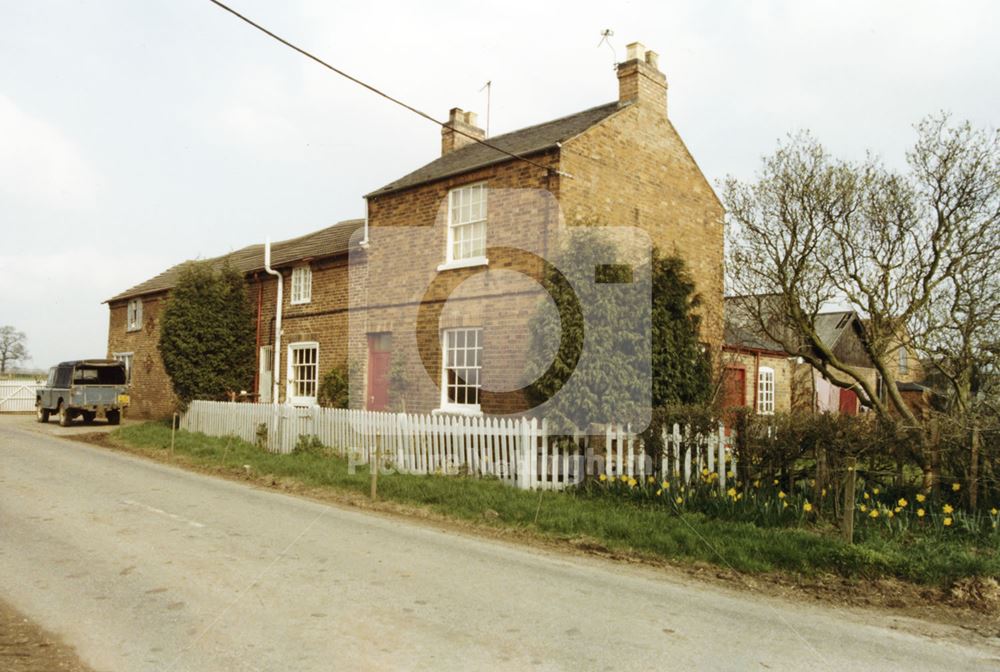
(18,396)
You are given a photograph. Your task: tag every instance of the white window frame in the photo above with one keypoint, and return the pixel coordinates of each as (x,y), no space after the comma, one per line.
(301,285)
(127,359)
(448,406)
(477,216)
(903,362)
(765,390)
(290,381)
(133,315)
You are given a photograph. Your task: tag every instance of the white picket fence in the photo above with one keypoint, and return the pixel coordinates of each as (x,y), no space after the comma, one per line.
(18,396)
(519,451)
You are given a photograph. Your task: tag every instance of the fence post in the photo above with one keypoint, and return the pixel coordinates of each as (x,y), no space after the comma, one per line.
(849,500)
(374,464)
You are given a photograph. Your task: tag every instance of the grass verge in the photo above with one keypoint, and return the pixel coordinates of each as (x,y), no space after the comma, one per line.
(619,526)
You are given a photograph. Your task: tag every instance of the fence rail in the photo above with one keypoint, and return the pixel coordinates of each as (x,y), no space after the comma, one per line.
(519,451)
(18,396)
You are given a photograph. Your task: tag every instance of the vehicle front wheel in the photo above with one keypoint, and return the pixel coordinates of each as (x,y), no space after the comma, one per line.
(114,417)
(41,414)
(64,416)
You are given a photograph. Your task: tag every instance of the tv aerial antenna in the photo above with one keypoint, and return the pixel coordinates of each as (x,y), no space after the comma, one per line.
(606,36)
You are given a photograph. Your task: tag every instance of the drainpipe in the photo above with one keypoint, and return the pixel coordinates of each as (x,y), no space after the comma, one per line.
(364,241)
(260,301)
(276,374)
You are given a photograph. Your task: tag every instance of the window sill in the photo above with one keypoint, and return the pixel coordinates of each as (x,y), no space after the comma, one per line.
(300,303)
(458,409)
(464,263)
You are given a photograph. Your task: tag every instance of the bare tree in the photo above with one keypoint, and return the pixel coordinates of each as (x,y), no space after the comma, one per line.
(915,253)
(12,347)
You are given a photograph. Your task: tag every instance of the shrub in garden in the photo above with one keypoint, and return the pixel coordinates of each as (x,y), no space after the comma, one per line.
(207,334)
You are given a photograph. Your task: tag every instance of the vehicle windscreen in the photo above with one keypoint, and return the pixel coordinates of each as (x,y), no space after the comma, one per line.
(99,375)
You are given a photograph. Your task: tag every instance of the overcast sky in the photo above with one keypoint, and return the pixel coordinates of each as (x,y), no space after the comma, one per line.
(134,135)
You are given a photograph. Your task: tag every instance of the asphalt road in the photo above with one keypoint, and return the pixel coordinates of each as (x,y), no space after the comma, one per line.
(142,566)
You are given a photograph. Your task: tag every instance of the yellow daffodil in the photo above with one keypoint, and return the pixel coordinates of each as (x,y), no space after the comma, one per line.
(947,521)
(902,502)
(679,500)
(603,477)
(920,513)
(955,487)
(863,508)
(650,480)
(665,485)
(890,514)
(659,492)
(921,497)
(822,493)
(756,484)
(781,494)
(874,513)
(704,472)
(632,482)
(731,492)
(624,478)
(775,482)
(947,508)
(784,505)
(874,491)
(807,507)
(866,496)
(739,496)
(994,511)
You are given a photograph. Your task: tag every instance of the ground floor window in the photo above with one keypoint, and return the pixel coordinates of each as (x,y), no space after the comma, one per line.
(765,391)
(126,359)
(461,366)
(303,373)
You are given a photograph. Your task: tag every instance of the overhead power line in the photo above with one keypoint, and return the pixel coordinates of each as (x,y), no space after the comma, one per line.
(377,91)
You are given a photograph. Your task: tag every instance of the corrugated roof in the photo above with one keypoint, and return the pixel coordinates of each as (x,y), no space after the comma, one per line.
(525,141)
(323,243)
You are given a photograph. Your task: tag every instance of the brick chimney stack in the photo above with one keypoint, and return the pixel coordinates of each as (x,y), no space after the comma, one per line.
(462,121)
(640,80)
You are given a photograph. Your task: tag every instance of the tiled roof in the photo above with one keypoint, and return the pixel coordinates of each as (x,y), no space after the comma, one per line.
(323,243)
(522,142)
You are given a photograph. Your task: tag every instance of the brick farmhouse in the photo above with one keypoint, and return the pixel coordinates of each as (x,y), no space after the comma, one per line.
(426,301)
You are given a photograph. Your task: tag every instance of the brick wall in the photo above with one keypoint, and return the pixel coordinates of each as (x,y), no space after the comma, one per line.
(634,170)
(151,394)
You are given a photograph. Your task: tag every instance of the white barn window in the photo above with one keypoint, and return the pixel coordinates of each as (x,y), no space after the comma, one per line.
(765,390)
(301,285)
(460,370)
(126,359)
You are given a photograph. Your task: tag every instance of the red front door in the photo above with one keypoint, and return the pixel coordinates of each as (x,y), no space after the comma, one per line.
(379,352)
(735,390)
(848,402)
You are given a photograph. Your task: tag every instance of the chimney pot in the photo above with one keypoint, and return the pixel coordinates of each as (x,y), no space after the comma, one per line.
(635,51)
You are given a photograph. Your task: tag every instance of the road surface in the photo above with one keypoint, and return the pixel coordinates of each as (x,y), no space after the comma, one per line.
(142,566)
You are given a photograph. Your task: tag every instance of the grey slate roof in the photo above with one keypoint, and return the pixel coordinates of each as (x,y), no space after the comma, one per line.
(323,243)
(740,332)
(522,142)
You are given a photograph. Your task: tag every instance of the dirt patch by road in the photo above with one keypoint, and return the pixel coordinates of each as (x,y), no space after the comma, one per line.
(25,647)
